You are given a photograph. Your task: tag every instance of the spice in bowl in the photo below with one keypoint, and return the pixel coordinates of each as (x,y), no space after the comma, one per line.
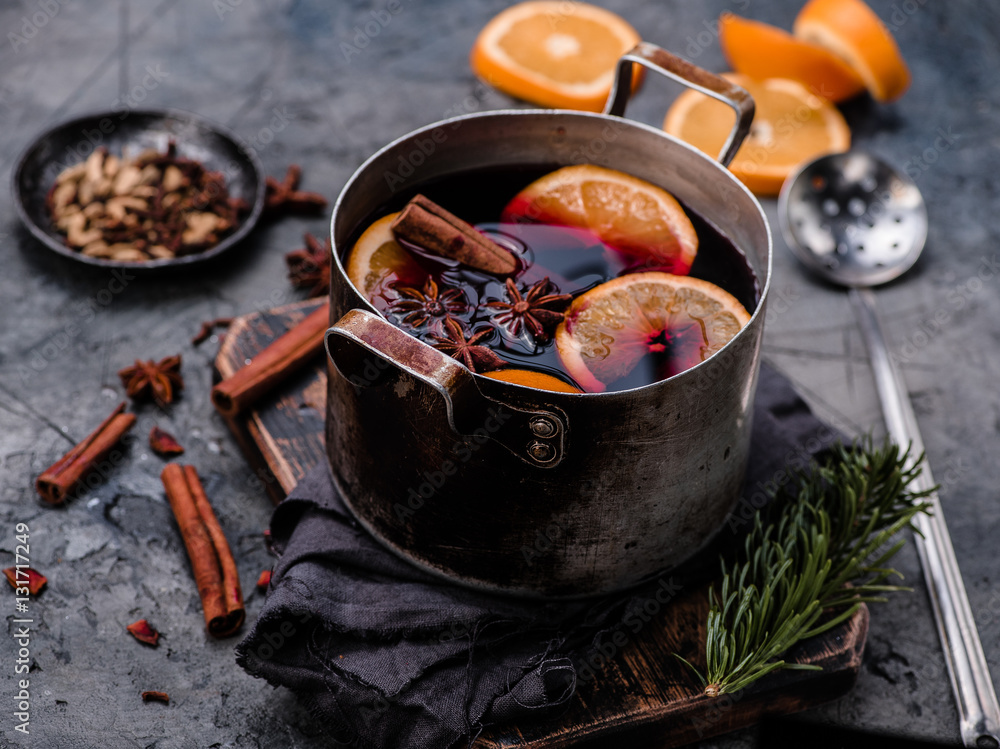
(155,206)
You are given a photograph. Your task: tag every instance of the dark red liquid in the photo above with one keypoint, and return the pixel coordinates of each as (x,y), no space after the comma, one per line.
(574,260)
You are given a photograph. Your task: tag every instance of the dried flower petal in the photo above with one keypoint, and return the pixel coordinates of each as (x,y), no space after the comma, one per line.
(34,582)
(143,632)
(156,697)
(264,580)
(269,541)
(163,443)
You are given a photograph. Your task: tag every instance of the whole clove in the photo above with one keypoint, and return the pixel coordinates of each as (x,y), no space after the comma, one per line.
(208,327)
(285,197)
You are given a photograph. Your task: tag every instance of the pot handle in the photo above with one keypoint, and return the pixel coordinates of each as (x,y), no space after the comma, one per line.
(677,68)
(363,345)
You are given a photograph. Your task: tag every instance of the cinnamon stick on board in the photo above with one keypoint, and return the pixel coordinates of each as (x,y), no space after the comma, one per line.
(426,224)
(271,366)
(59,479)
(212,562)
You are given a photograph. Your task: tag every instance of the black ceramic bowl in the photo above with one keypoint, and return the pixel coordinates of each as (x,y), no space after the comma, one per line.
(71,142)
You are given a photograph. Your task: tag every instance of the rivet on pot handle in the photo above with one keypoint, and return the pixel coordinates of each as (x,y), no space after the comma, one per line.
(363,345)
(677,68)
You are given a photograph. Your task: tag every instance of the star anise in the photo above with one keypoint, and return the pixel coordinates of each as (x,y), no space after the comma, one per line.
(529,311)
(418,306)
(161,379)
(476,357)
(309,268)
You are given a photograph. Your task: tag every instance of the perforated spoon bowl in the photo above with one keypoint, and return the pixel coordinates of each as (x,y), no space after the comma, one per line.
(856,221)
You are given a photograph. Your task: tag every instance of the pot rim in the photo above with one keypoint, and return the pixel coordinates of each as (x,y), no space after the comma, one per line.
(759,310)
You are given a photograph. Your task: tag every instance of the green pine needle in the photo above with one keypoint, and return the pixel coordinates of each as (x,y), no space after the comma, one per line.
(808,569)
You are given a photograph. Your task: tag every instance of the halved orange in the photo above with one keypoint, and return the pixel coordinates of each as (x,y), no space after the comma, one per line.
(555,53)
(760,50)
(677,321)
(850,29)
(790,126)
(532,379)
(643,221)
(377,261)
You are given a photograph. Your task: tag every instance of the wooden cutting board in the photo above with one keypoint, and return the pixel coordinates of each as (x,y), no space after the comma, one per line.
(636,694)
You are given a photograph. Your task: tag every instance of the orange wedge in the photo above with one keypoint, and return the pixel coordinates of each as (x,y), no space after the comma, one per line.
(790,126)
(642,221)
(851,30)
(760,51)
(554,53)
(377,261)
(664,322)
(532,379)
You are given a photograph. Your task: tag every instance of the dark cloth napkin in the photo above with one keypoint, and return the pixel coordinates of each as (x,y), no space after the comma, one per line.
(386,655)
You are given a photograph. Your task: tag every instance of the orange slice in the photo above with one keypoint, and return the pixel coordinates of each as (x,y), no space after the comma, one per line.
(790,126)
(532,379)
(643,221)
(553,53)
(850,29)
(675,321)
(760,50)
(377,261)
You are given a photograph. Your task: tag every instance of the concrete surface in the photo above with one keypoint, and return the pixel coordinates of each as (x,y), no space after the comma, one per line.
(113,555)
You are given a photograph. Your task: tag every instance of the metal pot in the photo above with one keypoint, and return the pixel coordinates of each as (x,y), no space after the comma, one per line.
(525,491)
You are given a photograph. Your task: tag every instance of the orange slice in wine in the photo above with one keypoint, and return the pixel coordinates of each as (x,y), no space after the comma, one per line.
(641,220)
(377,261)
(677,320)
(532,379)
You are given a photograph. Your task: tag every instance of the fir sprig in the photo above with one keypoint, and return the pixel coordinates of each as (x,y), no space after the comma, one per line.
(822,554)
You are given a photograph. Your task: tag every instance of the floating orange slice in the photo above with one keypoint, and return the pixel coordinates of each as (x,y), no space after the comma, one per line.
(643,221)
(790,126)
(554,53)
(532,379)
(377,261)
(760,50)
(850,29)
(670,322)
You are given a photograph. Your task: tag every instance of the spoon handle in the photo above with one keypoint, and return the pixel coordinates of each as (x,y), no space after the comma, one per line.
(970,677)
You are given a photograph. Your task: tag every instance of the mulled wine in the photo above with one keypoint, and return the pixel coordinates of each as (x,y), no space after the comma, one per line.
(588,306)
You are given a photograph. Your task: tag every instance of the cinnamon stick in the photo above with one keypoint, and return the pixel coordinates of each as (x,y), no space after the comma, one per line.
(59,479)
(426,224)
(283,357)
(212,561)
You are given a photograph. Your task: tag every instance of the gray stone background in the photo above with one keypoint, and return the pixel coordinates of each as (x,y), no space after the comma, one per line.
(113,555)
